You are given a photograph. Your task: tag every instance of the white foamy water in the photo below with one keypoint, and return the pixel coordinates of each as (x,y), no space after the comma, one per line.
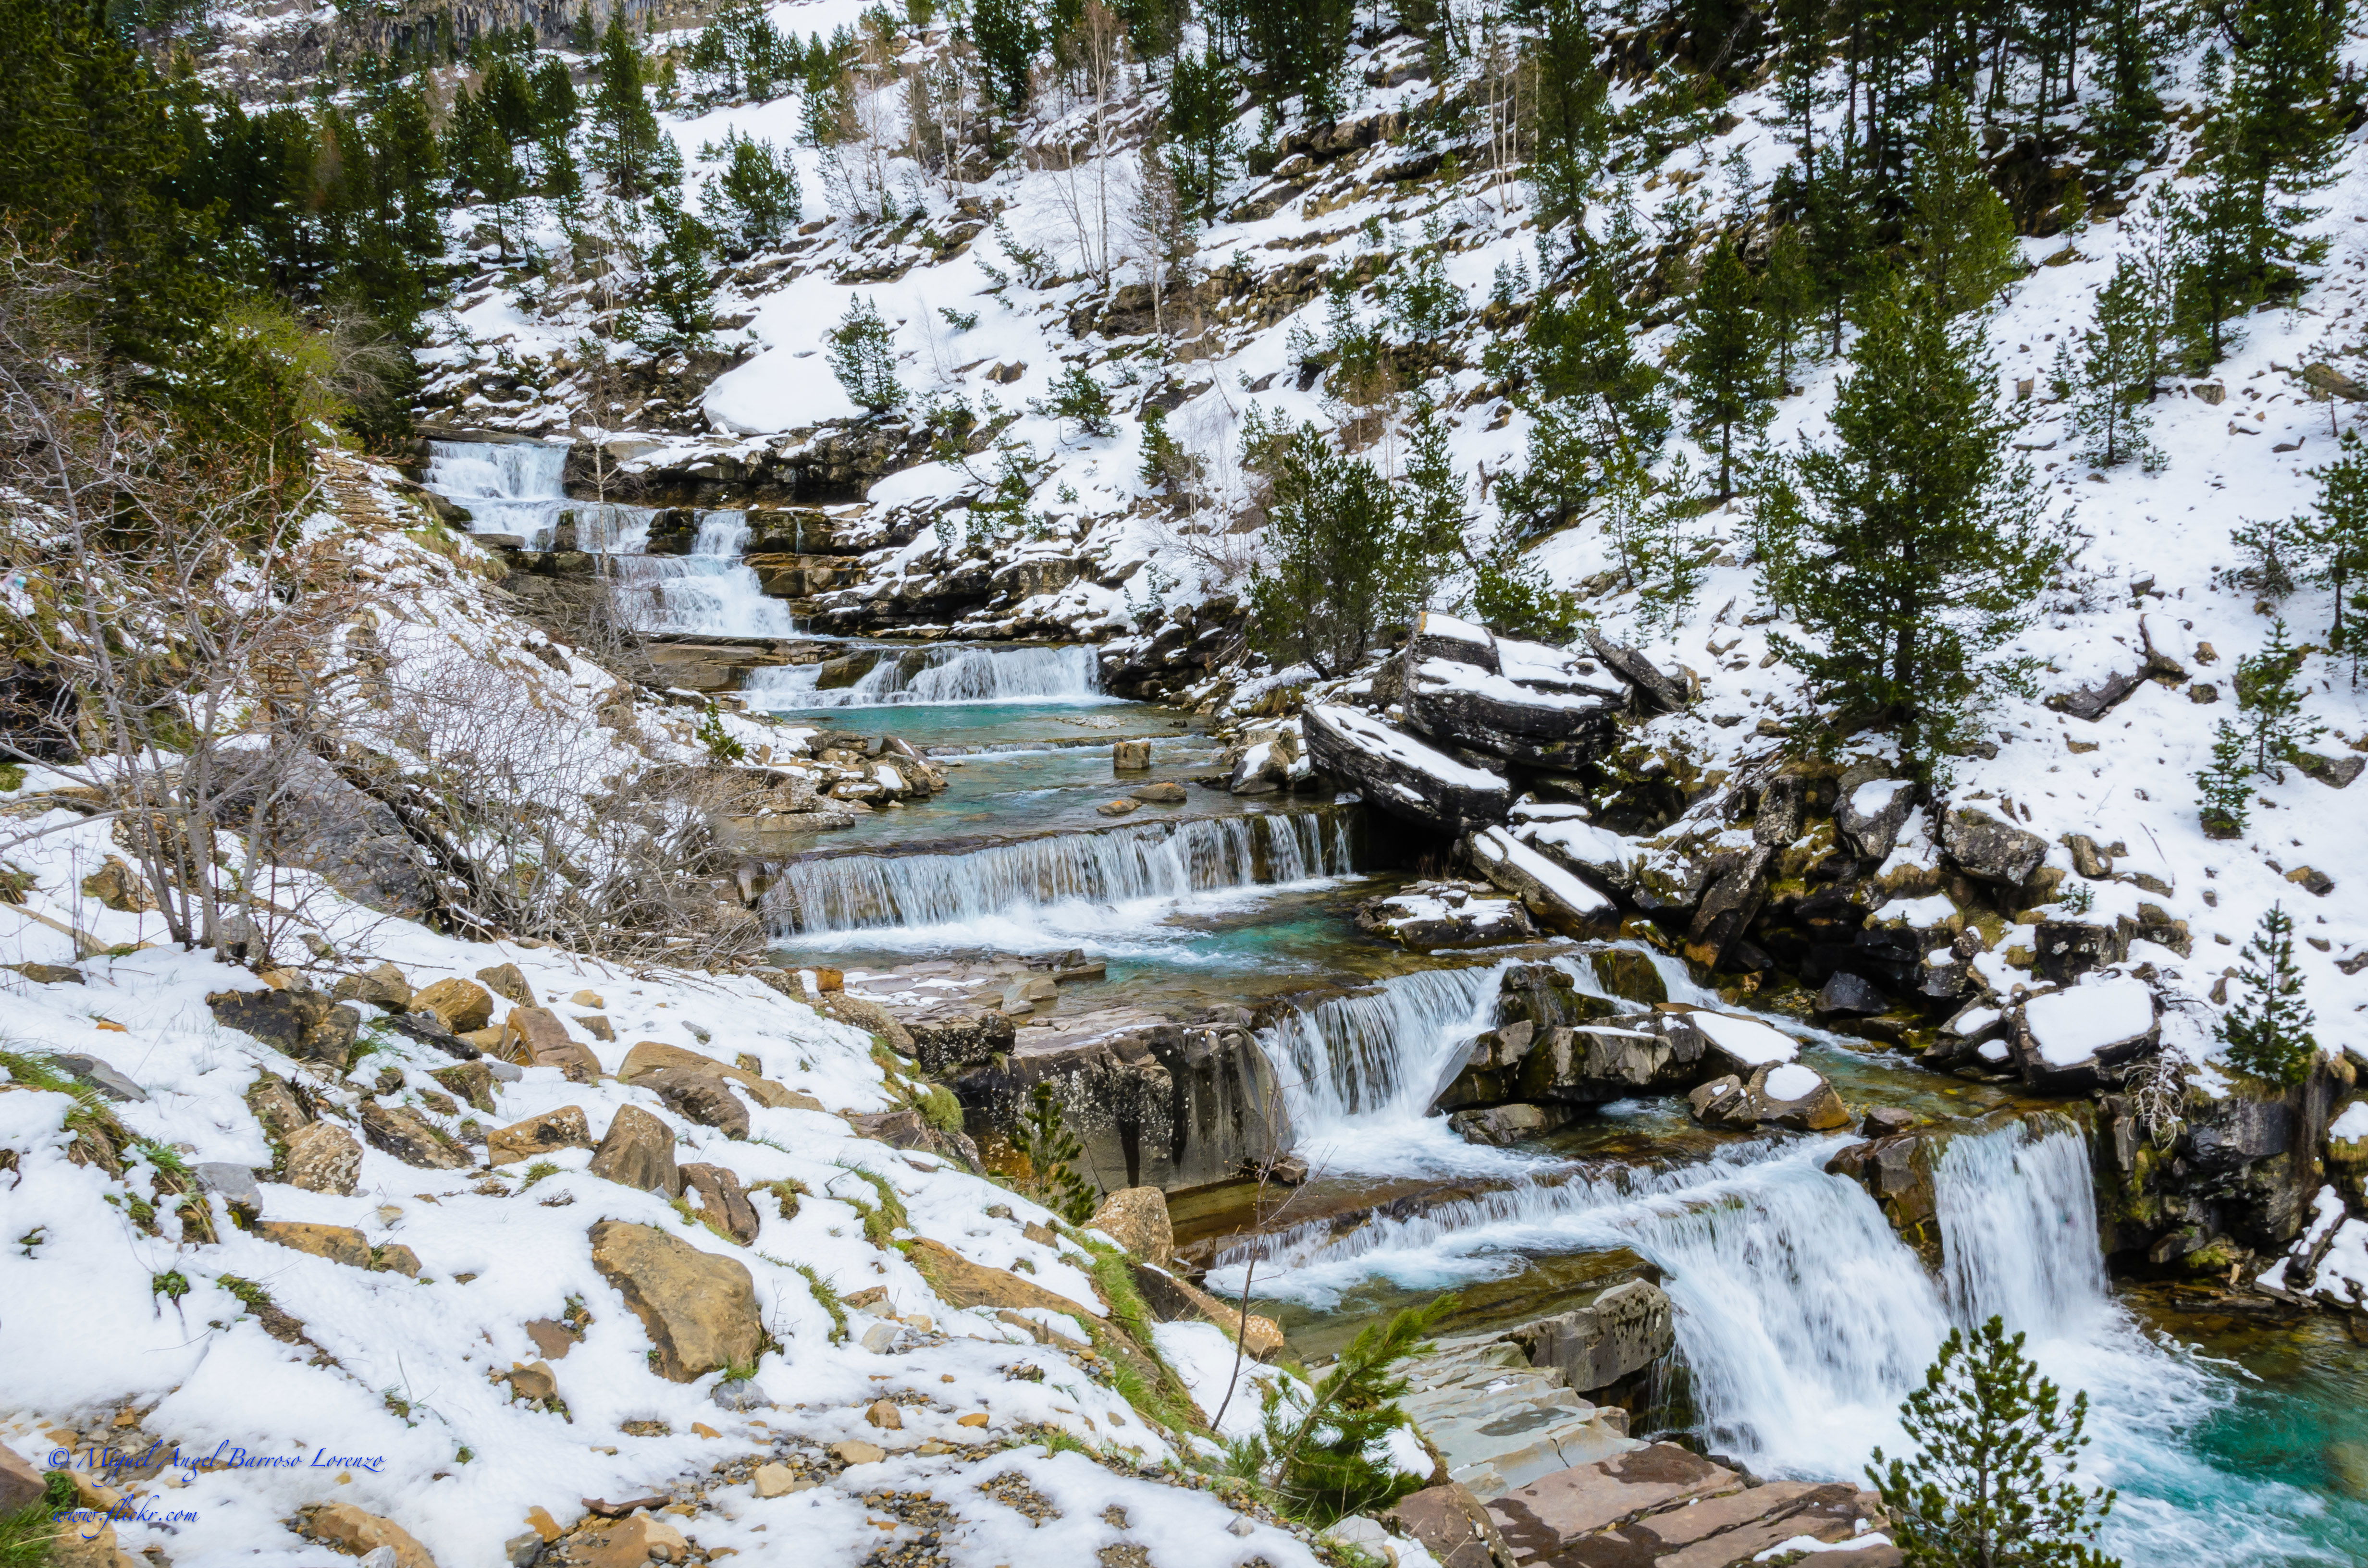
(1805,1321)
(944,675)
(515,487)
(1106,883)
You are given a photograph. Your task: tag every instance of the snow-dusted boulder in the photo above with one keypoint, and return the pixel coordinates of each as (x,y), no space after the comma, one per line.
(1556,897)
(1446,914)
(1985,848)
(1732,1043)
(1523,702)
(2070,1041)
(1400,774)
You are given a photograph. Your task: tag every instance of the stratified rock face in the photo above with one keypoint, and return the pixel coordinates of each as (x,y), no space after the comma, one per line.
(1627,1329)
(1500,1422)
(1523,702)
(700,1310)
(1400,774)
(1450,1524)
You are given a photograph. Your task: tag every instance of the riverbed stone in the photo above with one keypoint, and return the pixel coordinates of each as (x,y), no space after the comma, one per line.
(462,1005)
(1136,1218)
(539,1135)
(1542,1519)
(1626,972)
(638,1151)
(1625,1330)
(1429,916)
(1500,1422)
(1129,757)
(1165,794)
(322,1157)
(1502,1126)
(698,1309)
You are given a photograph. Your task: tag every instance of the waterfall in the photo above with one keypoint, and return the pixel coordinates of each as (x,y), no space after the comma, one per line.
(1088,877)
(712,591)
(942,676)
(1354,1066)
(515,487)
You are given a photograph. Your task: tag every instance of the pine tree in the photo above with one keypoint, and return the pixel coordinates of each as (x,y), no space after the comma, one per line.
(1911,548)
(1990,1483)
(1201,93)
(628,145)
(2226,784)
(2269,694)
(2337,538)
(675,275)
(2120,358)
(753,200)
(555,103)
(1434,491)
(1960,232)
(1008,36)
(1788,302)
(2130,42)
(863,357)
(1052,1155)
(1343,565)
(1300,47)
(1723,355)
(2267,1030)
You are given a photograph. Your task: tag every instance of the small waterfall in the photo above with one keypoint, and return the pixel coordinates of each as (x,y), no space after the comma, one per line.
(712,591)
(515,487)
(1162,862)
(943,676)
(1350,1064)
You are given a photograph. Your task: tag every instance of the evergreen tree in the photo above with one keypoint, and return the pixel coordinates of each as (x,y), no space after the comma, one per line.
(2338,537)
(2269,695)
(1788,302)
(2267,1030)
(863,357)
(753,200)
(1644,519)
(1201,91)
(1008,36)
(1569,117)
(1300,47)
(555,103)
(2112,381)
(628,146)
(1910,547)
(1423,304)
(675,275)
(2226,784)
(1831,196)
(1990,1483)
(1054,1153)
(1723,355)
(1434,490)
(1344,564)
(2129,45)
(1960,233)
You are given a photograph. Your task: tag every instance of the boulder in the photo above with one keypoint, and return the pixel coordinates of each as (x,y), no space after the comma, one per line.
(1626,1329)
(947,1043)
(1784,1093)
(303,1023)
(322,1157)
(1438,636)
(349,838)
(908,1128)
(460,1005)
(638,1151)
(538,1135)
(1168,794)
(381,986)
(1738,886)
(1595,1063)
(650,1054)
(275,1107)
(22,1485)
(1870,812)
(1597,854)
(1565,722)
(1136,1218)
(1655,690)
(723,1201)
(428,1029)
(1450,1524)
(474,1081)
(1431,915)
(961,1283)
(83,1546)
(1400,774)
(1896,1169)
(505,981)
(1502,1126)
(2073,1040)
(1129,757)
(533,1037)
(1849,994)
(1626,972)
(99,1075)
(351,1531)
(1558,899)
(1992,850)
(1732,1042)
(339,1244)
(698,1097)
(700,1310)
(410,1137)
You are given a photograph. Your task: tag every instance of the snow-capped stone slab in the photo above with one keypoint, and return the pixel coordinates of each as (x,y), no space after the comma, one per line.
(1552,893)
(2069,1038)
(1743,1043)
(1400,774)
(1590,850)
(1469,706)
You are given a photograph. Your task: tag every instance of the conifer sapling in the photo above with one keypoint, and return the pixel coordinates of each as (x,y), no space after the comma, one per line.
(2267,1030)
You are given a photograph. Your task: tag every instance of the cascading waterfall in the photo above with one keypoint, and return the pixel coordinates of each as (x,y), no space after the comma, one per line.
(1804,1320)
(1351,1066)
(942,676)
(1082,874)
(516,487)
(712,591)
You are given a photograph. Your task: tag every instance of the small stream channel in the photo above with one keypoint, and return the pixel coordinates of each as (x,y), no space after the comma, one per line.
(1803,1318)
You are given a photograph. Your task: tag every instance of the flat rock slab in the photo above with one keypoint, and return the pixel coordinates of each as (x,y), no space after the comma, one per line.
(1541,1520)
(1501,1423)
(1719,1531)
